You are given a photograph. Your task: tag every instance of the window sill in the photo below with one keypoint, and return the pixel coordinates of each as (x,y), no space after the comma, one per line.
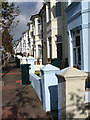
(57,18)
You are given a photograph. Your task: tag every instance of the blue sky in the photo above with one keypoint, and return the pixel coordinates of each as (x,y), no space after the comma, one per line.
(27,9)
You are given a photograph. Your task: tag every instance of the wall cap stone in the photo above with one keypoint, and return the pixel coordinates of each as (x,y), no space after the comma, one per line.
(70,72)
(30,58)
(49,67)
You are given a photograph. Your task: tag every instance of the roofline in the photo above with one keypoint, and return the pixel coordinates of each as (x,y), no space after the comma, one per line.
(71,6)
(34,16)
(42,8)
(25,32)
(29,23)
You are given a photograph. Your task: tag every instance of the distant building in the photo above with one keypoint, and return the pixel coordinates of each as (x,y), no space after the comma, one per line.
(25,44)
(37,41)
(17,49)
(20,46)
(31,38)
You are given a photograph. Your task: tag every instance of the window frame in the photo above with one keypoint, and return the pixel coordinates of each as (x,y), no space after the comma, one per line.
(57,43)
(76,51)
(39,26)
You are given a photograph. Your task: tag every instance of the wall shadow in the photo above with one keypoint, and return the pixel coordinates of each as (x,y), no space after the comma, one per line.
(53,97)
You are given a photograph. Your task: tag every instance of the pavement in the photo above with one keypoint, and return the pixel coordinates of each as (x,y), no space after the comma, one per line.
(19,101)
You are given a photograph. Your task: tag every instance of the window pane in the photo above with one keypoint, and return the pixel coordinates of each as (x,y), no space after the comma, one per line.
(79,56)
(32,28)
(74,56)
(50,51)
(59,50)
(38,28)
(32,34)
(38,21)
(77,41)
(58,9)
(78,31)
(39,51)
(50,47)
(76,45)
(59,39)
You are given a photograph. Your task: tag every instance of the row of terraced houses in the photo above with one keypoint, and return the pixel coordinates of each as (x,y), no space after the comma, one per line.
(59,30)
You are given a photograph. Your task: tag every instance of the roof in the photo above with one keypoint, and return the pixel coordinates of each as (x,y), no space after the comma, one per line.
(37,15)
(25,32)
(29,23)
(34,16)
(71,6)
(41,11)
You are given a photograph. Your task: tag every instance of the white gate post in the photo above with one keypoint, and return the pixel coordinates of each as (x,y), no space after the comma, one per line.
(49,87)
(71,93)
(30,60)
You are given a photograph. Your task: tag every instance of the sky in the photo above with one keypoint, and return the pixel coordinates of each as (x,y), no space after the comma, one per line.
(27,10)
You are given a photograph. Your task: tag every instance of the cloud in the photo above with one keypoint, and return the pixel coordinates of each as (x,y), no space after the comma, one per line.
(38,7)
(22,18)
(27,10)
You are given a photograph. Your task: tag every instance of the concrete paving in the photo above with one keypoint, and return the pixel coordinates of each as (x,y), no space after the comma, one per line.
(20,101)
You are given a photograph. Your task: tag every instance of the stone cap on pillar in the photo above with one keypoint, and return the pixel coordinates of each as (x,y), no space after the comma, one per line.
(30,58)
(71,72)
(49,67)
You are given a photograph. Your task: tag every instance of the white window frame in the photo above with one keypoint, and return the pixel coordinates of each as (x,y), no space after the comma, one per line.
(59,43)
(39,25)
(76,48)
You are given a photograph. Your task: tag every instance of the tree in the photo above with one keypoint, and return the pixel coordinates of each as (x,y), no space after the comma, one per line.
(9,13)
(15,43)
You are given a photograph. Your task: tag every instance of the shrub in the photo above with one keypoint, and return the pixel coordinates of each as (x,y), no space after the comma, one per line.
(38,73)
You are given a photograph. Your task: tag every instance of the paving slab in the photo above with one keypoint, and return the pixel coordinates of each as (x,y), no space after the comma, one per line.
(20,101)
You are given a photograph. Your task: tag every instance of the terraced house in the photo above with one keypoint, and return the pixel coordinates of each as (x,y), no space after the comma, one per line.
(37,44)
(50,32)
(25,44)
(31,37)
(56,28)
(78,18)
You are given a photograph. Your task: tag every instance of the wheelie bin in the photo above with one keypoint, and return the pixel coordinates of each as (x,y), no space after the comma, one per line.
(17,61)
(56,62)
(25,73)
